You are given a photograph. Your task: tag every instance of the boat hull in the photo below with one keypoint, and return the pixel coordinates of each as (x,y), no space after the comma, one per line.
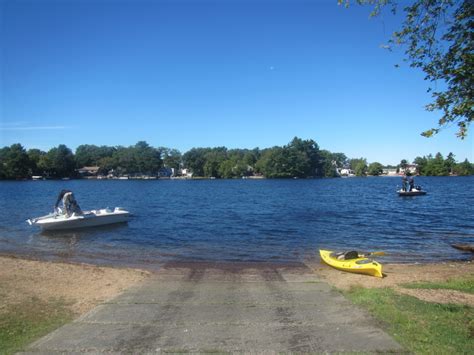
(412,193)
(87,219)
(359,265)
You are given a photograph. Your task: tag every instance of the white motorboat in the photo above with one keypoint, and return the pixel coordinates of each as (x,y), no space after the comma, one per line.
(93,218)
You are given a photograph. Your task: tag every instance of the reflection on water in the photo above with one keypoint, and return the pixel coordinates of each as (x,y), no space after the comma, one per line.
(69,243)
(82,232)
(234,220)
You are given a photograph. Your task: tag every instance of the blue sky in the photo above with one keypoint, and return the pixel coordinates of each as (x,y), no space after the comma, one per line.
(192,73)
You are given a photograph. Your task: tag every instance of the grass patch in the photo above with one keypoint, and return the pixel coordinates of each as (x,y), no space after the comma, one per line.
(421,327)
(22,323)
(463,285)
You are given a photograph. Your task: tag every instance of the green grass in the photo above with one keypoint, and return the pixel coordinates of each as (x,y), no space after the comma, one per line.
(421,327)
(463,285)
(23,323)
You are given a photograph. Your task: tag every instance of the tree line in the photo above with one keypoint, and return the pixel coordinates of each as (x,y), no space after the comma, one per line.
(297,159)
(440,166)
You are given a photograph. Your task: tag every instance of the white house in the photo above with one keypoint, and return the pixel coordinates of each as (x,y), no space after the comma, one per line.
(346,172)
(186,172)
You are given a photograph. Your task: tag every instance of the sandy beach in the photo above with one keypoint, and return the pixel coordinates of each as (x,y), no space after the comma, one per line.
(84,286)
(81,286)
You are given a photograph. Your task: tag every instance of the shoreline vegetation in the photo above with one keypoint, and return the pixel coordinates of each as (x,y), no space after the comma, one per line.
(427,308)
(40,296)
(298,159)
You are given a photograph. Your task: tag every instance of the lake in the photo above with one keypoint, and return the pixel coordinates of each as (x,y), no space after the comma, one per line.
(244,220)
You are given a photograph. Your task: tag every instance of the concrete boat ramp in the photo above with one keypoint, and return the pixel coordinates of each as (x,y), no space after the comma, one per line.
(223,307)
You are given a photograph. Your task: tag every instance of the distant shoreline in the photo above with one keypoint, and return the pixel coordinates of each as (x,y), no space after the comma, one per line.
(298,159)
(213,178)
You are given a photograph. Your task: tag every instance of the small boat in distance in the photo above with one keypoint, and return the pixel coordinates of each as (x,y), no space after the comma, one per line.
(414,192)
(93,218)
(356,263)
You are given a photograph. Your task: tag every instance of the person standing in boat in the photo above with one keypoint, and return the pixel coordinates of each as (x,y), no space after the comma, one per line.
(411,182)
(70,204)
(404,183)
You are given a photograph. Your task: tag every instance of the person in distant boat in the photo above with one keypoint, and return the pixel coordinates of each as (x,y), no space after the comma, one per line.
(70,204)
(411,182)
(404,183)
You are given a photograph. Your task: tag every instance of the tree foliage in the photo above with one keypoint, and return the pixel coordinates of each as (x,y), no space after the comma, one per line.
(140,159)
(171,157)
(220,162)
(463,169)
(297,159)
(36,156)
(331,162)
(359,166)
(145,159)
(440,166)
(14,162)
(438,38)
(375,169)
(91,155)
(195,159)
(58,162)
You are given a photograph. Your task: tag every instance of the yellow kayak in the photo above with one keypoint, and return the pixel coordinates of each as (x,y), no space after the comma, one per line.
(360,265)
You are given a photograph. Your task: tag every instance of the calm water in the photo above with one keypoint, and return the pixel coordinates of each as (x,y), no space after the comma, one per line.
(244,220)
